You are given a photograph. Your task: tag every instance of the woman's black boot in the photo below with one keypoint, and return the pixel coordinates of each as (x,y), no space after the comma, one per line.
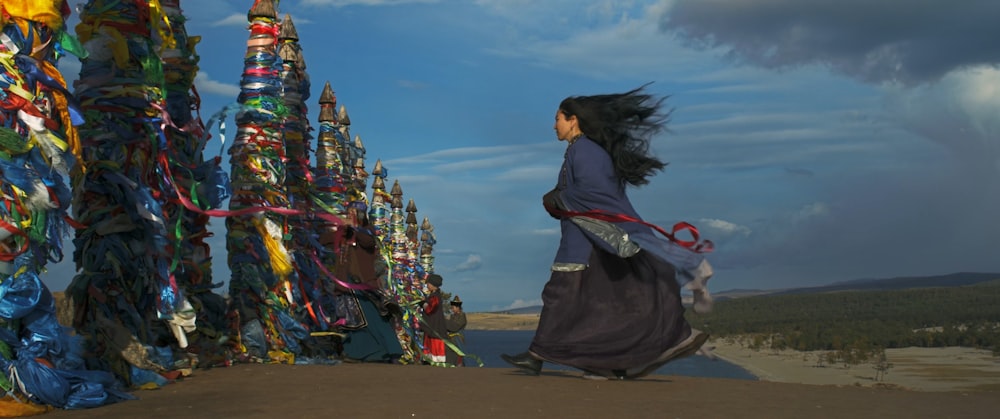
(524,361)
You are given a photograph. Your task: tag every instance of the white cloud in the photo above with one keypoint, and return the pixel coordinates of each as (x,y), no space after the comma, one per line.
(471,263)
(620,41)
(509,159)
(529,174)
(960,112)
(494,162)
(240,19)
(725,226)
(235,19)
(343,3)
(205,84)
(810,211)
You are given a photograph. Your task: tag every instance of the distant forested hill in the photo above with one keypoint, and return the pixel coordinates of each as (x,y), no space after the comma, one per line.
(899,283)
(951,310)
(951,280)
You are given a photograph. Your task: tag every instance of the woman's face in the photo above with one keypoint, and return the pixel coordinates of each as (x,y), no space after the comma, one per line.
(565,128)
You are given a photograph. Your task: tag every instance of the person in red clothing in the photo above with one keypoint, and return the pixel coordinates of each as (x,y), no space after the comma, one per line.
(433,324)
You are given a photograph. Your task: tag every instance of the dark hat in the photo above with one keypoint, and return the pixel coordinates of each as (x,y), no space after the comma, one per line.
(435,280)
(457,301)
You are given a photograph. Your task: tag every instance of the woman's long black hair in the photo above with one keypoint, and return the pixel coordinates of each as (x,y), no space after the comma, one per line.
(623,124)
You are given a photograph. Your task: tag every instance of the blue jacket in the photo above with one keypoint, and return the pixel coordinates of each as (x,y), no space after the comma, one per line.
(587,181)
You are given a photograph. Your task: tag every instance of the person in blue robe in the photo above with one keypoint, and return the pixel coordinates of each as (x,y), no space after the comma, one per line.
(612,306)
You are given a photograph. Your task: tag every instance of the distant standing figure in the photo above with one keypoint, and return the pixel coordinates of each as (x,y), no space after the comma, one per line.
(456,325)
(612,305)
(433,325)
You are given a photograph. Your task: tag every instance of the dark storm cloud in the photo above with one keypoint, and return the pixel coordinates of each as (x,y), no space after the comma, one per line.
(908,41)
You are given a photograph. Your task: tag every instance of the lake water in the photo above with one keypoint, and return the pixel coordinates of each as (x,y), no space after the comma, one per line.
(489,344)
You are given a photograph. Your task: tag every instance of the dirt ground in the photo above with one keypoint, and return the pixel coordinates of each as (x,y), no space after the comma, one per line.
(399,391)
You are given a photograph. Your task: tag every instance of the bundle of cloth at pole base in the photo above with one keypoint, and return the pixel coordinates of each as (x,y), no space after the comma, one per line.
(42,361)
(139,253)
(199,187)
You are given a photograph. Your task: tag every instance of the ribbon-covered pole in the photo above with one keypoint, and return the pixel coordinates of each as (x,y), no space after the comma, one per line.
(407,282)
(329,190)
(427,241)
(38,149)
(329,186)
(124,255)
(312,285)
(205,184)
(261,285)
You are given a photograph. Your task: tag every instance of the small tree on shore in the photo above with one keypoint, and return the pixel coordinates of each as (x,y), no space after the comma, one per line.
(882,364)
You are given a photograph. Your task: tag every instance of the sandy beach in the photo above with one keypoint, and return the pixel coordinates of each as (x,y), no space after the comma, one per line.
(497,321)
(922,369)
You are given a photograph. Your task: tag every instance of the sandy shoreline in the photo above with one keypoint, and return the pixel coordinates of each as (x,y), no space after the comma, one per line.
(496,321)
(922,369)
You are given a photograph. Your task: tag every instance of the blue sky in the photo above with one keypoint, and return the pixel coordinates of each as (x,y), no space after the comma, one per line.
(813,142)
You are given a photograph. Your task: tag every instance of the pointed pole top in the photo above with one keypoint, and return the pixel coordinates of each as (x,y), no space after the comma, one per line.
(327,96)
(426,225)
(342,116)
(327,104)
(288,29)
(378,168)
(263,8)
(411,207)
(289,54)
(396,189)
(357,142)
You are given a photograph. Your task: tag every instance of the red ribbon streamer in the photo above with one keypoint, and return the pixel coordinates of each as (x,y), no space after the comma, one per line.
(695,245)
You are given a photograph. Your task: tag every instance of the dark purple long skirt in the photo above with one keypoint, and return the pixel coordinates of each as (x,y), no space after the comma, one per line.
(616,314)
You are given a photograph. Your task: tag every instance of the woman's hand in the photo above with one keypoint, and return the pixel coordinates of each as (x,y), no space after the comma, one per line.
(553,202)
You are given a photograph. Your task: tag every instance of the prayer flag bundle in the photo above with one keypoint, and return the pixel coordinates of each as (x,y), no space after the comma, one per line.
(126,254)
(41,360)
(427,242)
(131,142)
(313,286)
(261,285)
(406,277)
(329,184)
(198,183)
